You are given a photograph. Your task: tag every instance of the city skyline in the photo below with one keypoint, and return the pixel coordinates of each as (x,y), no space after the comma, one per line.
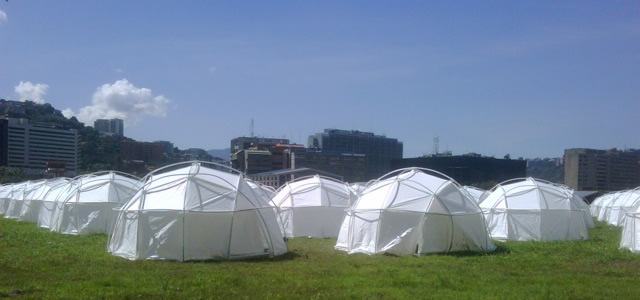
(526,79)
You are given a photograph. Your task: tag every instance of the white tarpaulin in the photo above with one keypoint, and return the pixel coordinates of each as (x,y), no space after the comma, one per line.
(313,206)
(192,211)
(533,209)
(414,211)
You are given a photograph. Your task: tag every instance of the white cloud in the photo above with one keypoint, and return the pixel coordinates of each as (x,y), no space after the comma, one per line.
(3,17)
(67,113)
(212,69)
(30,91)
(121,100)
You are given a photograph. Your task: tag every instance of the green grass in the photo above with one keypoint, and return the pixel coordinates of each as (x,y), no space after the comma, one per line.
(35,263)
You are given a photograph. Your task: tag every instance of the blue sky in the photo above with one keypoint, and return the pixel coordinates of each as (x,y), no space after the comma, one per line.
(493,77)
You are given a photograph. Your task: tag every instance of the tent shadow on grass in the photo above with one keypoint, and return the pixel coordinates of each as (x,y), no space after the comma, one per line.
(500,250)
(284,257)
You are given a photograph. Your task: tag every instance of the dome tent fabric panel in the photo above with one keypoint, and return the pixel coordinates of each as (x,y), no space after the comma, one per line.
(314,191)
(34,199)
(263,191)
(578,202)
(15,199)
(88,207)
(532,209)
(617,209)
(476,194)
(603,213)
(312,206)
(49,200)
(5,192)
(631,233)
(414,211)
(124,238)
(58,204)
(359,232)
(357,188)
(597,206)
(631,228)
(194,211)
(30,203)
(315,222)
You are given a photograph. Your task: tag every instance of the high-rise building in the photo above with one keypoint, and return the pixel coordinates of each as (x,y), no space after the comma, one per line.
(109,127)
(379,150)
(601,170)
(33,147)
(257,157)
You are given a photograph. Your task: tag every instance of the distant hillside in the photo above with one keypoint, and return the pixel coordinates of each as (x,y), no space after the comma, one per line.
(546,168)
(95,153)
(37,113)
(221,153)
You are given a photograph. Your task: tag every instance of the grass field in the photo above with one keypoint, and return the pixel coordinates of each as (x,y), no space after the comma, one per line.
(35,263)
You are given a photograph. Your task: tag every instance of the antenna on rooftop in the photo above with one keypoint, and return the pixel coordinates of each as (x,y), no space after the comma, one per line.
(436,145)
(252,127)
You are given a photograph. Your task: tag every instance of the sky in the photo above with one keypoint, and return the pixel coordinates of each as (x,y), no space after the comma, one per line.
(525,78)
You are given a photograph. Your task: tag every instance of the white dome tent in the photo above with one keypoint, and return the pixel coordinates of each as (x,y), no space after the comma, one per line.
(477,194)
(192,211)
(32,201)
(49,199)
(606,202)
(631,225)
(87,208)
(598,203)
(615,212)
(414,211)
(313,206)
(14,200)
(5,193)
(533,209)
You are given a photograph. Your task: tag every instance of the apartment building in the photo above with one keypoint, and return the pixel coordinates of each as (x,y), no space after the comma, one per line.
(33,147)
